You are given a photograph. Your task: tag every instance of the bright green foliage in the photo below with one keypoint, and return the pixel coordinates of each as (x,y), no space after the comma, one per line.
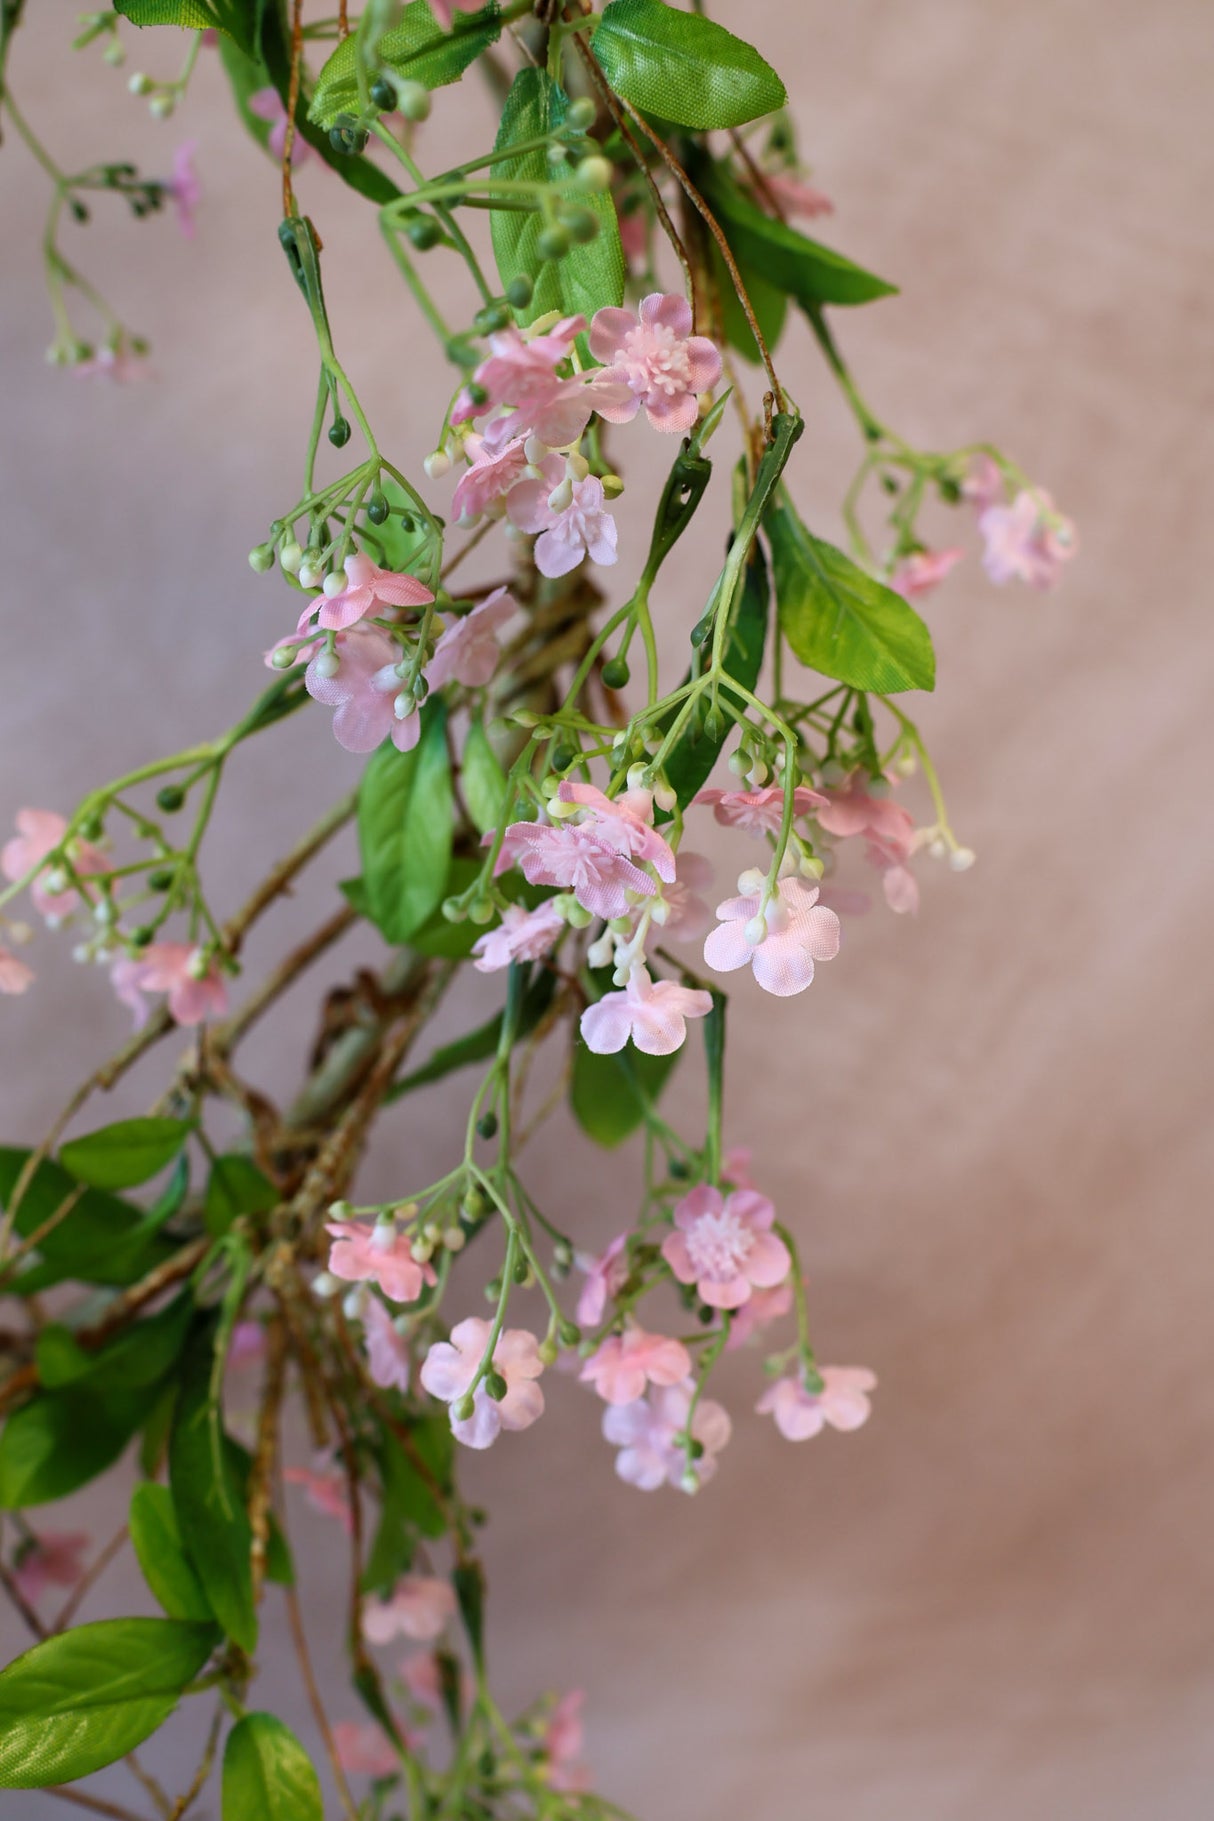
(416,50)
(589,276)
(610,1095)
(406,822)
(209,1503)
(267,1774)
(87,1697)
(123,1155)
(683,67)
(839,619)
(156,1539)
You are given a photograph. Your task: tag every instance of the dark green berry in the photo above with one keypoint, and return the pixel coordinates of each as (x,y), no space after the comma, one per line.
(519,292)
(495,1386)
(423,232)
(383,94)
(170,798)
(616,673)
(377,508)
(563,757)
(339,433)
(553,242)
(487,1126)
(161,879)
(583,224)
(142,936)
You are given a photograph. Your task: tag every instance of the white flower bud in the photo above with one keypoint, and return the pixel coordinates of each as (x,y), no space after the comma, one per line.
(326,1285)
(138,83)
(56,880)
(577,467)
(660,913)
(163,107)
(636,777)
(383,1234)
(738,763)
(455,1239)
(198,966)
(291,557)
(352,1303)
(310,574)
(751,882)
(878,787)
(421,1251)
(961,859)
(666,798)
(104,912)
(334,584)
(757,776)
(403,705)
(594,173)
(756,930)
(437,463)
(561,497)
(599,953)
(327,664)
(283,658)
(832,773)
(535,450)
(937,847)
(810,867)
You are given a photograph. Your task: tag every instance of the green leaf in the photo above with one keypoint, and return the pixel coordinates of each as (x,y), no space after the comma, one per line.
(480,1044)
(391,545)
(267,1774)
(235,1187)
(590,275)
(418,49)
(61,1440)
(85,1698)
(695,752)
(406,821)
(102,1241)
(409,1507)
(611,1094)
(768,301)
(208,1500)
(469,1579)
(684,67)
(838,619)
(788,259)
(482,780)
(235,18)
(140,1356)
(123,1155)
(156,1539)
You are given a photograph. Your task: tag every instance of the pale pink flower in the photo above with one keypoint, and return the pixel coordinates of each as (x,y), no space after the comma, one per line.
(41,832)
(248,1344)
(442,11)
(49,1560)
(984,485)
(724,1245)
(652,1013)
(387,1355)
(735,1166)
(758,812)
(625,1363)
(497,465)
(576,858)
(184,187)
(917,574)
(604,1276)
(761,1308)
(468,651)
(624,822)
(687,913)
(645,1433)
(15,976)
(450,1367)
(364,692)
(364,1750)
(888,830)
(662,363)
(1027,541)
(563,1742)
(420,1607)
(800,931)
(578,525)
(522,935)
(792,195)
(842,1402)
(171,968)
(377,1253)
(521,373)
(267,104)
(369,589)
(327,1491)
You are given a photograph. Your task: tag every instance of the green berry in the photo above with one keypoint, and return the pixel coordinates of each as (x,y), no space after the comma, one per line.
(413,100)
(142,936)
(161,879)
(377,509)
(583,224)
(569,1334)
(594,173)
(491,318)
(495,1386)
(581,114)
(563,757)
(423,232)
(487,1126)
(616,673)
(383,94)
(170,798)
(553,242)
(519,292)
(339,433)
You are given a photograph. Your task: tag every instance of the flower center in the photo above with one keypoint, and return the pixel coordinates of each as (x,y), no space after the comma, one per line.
(656,360)
(718,1245)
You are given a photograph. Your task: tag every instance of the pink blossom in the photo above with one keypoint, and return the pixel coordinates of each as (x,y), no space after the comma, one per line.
(41,832)
(450,1367)
(419,1607)
(563,1742)
(1027,541)
(760,1309)
(724,1245)
(521,372)
(380,1254)
(624,822)
(49,1560)
(267,104)
(369,589)
(442,11)
(171,968)
(917,574)
(364,692)
(15,976)
(497,464)
(842,1402)
(735,1166)
(652,1013)
(792,195)
(364,1750)
(634,238)
(577,858)
(604,1276)
(687,914)
(984,485)
(522,935)
(577,525)
(663,364)
(645,1433)
(625,1363)
(758,812)
(328,1491)
(387,1354)
(468,651)
(889,832)
(184,187)
(248,1344)
(800,931)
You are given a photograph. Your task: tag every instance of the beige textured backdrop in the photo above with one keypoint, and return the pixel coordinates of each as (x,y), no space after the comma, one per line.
(990,1125)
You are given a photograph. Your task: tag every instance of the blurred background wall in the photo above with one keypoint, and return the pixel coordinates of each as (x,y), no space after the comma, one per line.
(990,1125)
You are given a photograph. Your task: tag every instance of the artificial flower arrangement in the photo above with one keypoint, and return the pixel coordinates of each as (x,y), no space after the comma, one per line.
(534,792)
